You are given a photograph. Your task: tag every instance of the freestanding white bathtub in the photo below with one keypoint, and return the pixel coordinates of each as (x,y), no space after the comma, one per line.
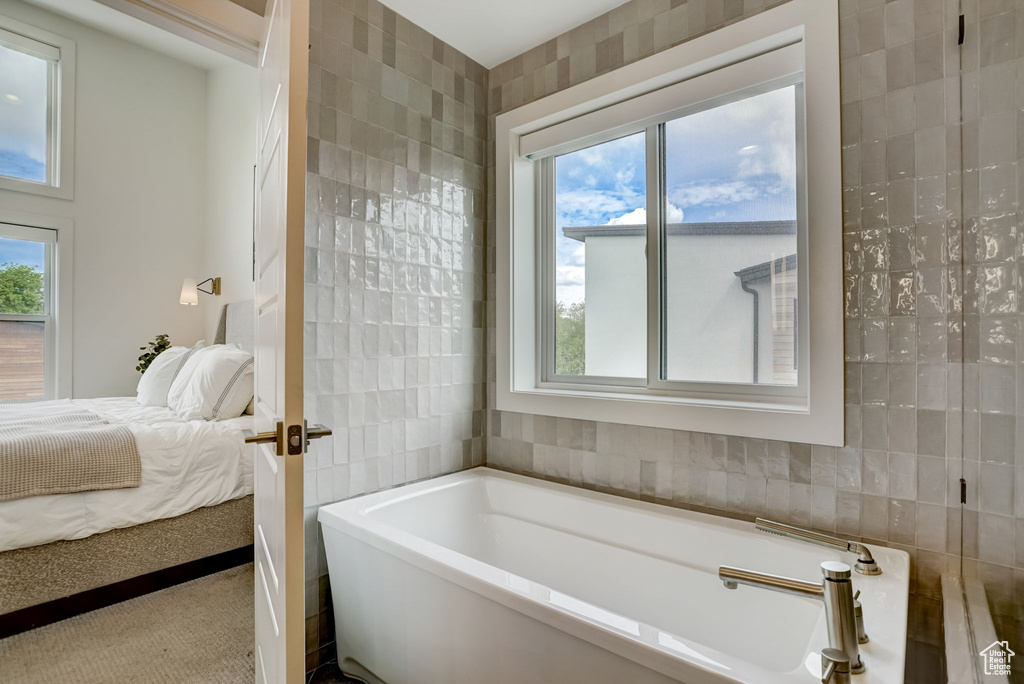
(484,577)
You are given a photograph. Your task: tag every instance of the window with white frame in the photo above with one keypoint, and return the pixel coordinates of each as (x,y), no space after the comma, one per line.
(37,72)
(27,336)
(670,251)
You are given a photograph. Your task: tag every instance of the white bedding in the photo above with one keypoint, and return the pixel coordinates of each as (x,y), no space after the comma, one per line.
(185,465)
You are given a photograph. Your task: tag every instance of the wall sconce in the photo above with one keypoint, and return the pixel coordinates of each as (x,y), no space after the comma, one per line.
(190,290)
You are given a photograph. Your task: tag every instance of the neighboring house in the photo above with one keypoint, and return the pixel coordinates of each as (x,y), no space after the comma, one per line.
(731,294)
(22,351)
(997,658)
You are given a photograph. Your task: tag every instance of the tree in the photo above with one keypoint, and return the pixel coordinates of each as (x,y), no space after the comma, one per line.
(21,289)
(570,338)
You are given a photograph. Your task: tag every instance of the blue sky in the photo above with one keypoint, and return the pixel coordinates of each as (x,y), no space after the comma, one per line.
(22,252)
(23,85)
(735,162)
(20,165)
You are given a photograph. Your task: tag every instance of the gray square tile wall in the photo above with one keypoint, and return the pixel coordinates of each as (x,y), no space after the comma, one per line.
(915,344)
(396,353)
(395,209)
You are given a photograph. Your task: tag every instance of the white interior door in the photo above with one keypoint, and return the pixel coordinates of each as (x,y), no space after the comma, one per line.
(280,639)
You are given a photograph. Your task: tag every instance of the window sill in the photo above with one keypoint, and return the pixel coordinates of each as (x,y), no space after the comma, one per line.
(771,418)
(642,395)
(28,187)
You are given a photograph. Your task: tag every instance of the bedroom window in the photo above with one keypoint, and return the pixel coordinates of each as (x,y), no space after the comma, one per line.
(28,331)
(37,73)
(669,251)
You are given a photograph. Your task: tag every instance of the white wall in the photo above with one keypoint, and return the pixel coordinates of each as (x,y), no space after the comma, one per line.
(616,306)
(231,96)
(163,191)
(140,167)
(711,332)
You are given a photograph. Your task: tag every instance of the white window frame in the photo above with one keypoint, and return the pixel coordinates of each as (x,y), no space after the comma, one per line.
(60,129)
(800,36)
(59,235)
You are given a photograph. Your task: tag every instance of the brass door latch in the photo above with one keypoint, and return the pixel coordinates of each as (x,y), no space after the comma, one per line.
(298,439)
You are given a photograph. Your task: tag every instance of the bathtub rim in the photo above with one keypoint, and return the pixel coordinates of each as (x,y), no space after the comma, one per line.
(352,517)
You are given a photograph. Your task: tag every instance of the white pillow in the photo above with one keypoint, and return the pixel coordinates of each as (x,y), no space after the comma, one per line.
(157,380)
(182,378)
(219,384)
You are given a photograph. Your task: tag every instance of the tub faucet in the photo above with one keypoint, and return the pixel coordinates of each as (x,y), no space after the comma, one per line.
(835,667)
(835,591)
(865,561)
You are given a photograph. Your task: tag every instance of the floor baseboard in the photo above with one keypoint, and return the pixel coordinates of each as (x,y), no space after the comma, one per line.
(50,612)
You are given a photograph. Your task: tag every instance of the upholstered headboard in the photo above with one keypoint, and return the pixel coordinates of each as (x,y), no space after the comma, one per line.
(237,326)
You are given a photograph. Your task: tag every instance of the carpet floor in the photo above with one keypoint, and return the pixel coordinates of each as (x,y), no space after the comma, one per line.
(199,632)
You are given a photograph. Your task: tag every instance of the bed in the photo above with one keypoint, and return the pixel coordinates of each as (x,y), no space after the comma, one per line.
(186,464)
(191,514)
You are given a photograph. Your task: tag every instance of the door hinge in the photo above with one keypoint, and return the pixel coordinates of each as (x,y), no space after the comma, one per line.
(963,491)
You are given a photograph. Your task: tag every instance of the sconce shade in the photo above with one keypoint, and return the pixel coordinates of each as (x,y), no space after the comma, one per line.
(189,292)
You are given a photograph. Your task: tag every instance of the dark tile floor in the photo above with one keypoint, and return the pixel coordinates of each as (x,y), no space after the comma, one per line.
(330,673)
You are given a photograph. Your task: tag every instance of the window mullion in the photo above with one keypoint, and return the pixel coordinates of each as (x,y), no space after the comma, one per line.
(546,258)
(654,220)
(52,122)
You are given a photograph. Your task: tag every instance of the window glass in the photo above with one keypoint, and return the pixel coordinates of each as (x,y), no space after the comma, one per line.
(23,359)
(24,119)
(600,264)
(22,342)
(729,246)
(22,276)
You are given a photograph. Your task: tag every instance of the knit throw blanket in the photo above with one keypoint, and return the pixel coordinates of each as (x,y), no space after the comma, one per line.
(53,447)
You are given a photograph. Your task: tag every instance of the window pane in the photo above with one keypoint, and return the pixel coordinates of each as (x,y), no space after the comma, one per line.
(729,265)
(22,281)
(22,358)
(23,120)
(600,266)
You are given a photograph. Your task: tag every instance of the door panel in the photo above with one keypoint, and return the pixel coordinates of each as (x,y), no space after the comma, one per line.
(266,381)
(280,623)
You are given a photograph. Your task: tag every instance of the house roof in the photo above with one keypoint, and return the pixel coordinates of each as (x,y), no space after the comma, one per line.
(581,233)
(763,271)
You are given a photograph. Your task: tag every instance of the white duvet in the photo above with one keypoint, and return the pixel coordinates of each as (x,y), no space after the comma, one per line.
(186,464)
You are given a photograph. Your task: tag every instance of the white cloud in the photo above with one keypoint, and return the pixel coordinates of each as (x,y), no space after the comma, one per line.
(580,207)
(632,218)
(712,194)
(23,116)
(639,216)
(776,159)
(736,153)
(570,284)
(579,255)
(571,275)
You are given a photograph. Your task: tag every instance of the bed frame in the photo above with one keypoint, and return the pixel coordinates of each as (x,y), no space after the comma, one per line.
(43,584)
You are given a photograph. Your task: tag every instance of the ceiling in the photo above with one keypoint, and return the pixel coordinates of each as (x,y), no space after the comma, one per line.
(493,31)
(98,15)
(489,31)
(257,6)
